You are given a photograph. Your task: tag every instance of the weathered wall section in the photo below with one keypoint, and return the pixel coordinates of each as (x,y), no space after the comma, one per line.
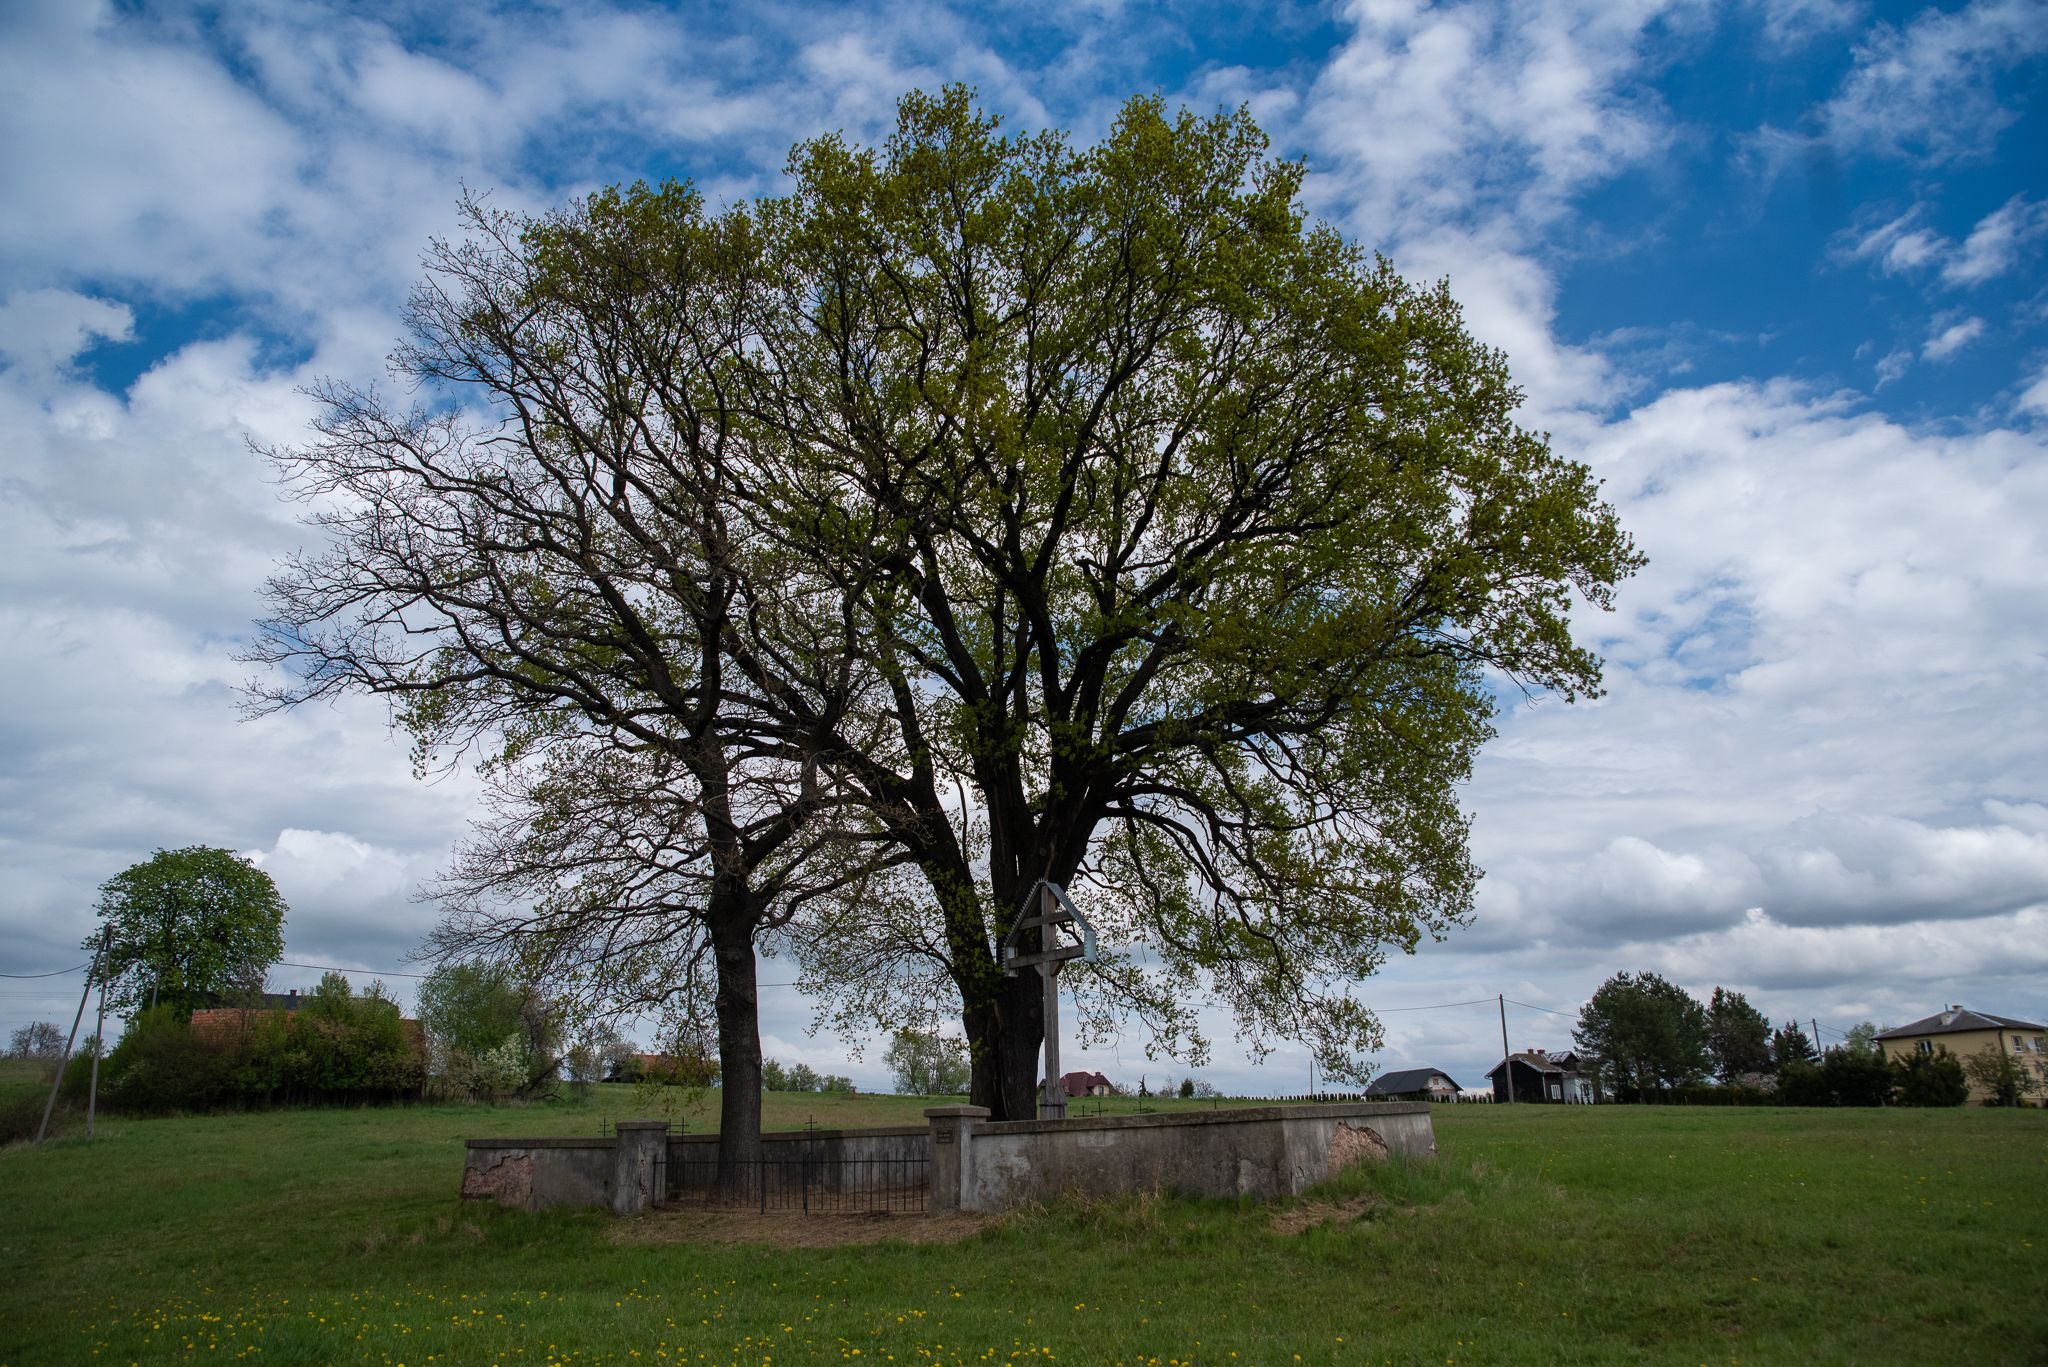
(1262,1152)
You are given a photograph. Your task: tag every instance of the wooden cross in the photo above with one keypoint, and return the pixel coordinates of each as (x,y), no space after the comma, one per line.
(1047,910)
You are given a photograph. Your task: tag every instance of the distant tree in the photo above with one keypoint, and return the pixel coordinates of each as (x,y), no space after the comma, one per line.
(1933,1079)
(1646,1033)
(774,1077)
(926,1063)
(1738,1036)
(1202,1089)
(1187,1088)
(41,1040)
(2005,1077)
(1643,1033)
(1790,1045)
(802,1078)
(1862,1039)
(488,1034)
(189,926)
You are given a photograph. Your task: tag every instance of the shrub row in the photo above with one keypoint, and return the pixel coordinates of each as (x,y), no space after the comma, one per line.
(275,1058)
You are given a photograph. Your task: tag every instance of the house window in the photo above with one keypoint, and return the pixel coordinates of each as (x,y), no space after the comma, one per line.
(1925,1046)
(2019,1044)
(1556,1092)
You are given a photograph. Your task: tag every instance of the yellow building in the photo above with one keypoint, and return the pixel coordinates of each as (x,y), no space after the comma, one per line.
(1965,1033)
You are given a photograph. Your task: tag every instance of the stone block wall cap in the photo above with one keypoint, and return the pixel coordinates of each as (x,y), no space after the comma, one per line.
(641,1125)
(957,1112)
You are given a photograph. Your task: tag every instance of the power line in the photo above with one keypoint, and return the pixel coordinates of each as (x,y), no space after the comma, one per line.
(337,968)
(1440,1006)
(1546,1010)
(53,973)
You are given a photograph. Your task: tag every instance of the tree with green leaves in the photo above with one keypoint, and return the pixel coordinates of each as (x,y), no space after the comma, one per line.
(984,510)
(1184,534)
(1790,1045)
(926,1063)
(489,1035)
(1738,1036)
(1862,1039)
(1647,1034)
(1935,1078)
(2005,1079)
(189,927)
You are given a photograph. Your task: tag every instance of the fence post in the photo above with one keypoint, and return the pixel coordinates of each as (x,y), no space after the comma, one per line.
(952,1170)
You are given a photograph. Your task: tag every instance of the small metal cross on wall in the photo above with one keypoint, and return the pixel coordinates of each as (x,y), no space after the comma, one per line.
(1047,910)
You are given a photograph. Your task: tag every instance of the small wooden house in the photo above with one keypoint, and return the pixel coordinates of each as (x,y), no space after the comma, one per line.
(1544,1077)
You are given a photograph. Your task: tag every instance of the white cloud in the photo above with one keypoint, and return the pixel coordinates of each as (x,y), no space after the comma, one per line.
(1948,339)
(1993,246)
(2034,398)
(42,330)
(1927,92)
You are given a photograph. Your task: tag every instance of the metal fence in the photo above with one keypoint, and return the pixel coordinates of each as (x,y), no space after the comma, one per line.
(810,1181)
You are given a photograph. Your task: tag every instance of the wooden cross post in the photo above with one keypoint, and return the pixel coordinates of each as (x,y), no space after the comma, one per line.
(1046,909)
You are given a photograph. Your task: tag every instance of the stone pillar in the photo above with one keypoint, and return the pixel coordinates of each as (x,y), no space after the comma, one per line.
(639,1166)
(953,1154)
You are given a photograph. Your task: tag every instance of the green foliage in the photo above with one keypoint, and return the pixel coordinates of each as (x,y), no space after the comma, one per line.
(777,1076)
(1931,1079)
(1862,1039)
(1645,1034)
(1790,1045)
(2006,1080)
(347,1048)
(1722,1094)
(489,1036)
(1738,1036)
(926,1063)
(190,927)
(1187,1088)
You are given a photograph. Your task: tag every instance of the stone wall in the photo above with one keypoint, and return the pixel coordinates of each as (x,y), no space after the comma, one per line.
(1261,1152)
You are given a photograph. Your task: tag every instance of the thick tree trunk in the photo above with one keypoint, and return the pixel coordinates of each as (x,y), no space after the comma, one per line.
(738,1007)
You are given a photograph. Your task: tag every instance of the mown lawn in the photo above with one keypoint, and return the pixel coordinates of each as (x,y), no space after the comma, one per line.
(1540,1235)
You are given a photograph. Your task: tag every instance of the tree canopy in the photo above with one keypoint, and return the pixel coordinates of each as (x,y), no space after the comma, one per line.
(189,927)
(1647,1034)
(1738,1036)
(985,509)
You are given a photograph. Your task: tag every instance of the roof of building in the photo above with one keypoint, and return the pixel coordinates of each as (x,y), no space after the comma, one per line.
(1956,1019)
(1541,1062)
(1407,1080)
(1078,1083)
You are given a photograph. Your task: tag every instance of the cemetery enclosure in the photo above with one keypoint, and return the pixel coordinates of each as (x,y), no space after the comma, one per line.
(959,1161)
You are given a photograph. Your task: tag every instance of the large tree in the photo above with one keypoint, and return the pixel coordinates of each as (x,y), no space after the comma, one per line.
(1192,542)
(1648,1034)
(1738,1036)
(189,927)
(1020,511)
(560,581)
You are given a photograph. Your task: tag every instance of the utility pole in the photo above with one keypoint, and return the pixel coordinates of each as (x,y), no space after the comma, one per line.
(99,1046)
(1818,1052)
(1507,1066)
(94,972)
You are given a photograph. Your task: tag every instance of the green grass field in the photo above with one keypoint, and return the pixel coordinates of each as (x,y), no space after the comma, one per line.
(1540,1235)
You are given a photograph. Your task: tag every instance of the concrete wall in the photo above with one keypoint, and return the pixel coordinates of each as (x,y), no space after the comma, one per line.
(538,1174)
(1262,1152)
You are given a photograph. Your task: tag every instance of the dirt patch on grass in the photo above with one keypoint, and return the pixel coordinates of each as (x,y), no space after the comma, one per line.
(796,1230)
(1310,1214)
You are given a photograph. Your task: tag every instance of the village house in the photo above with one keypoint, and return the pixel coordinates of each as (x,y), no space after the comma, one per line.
(1086,1084)
(1545,1077)
(1964,1033)
(1413,1084)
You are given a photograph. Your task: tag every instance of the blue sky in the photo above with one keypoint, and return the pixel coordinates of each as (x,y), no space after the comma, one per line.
(1776,270)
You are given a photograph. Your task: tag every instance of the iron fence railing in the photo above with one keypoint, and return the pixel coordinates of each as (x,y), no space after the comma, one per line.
(809,1181)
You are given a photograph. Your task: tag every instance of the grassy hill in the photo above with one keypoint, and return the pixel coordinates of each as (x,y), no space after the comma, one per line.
(1540,1235)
